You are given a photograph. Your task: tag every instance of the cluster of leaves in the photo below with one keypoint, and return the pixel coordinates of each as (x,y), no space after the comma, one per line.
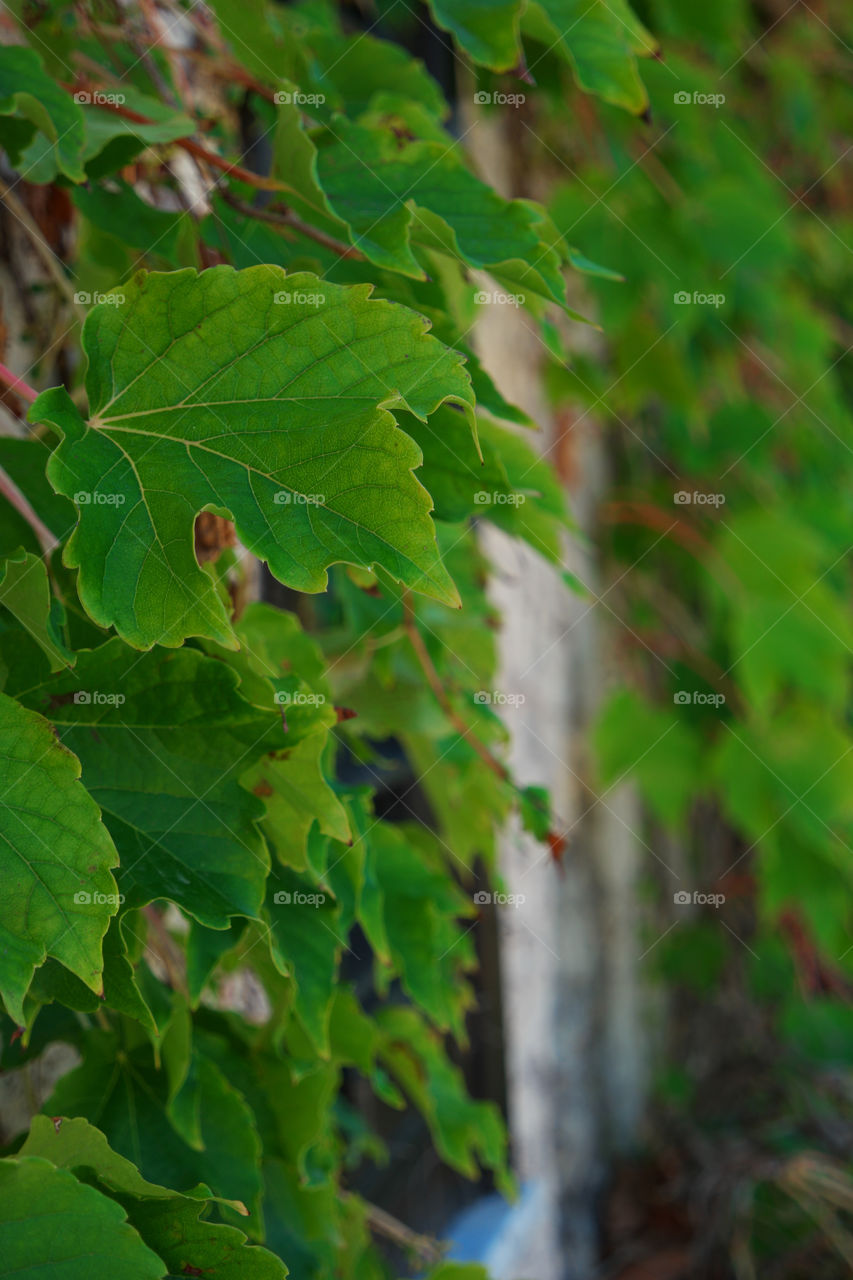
(173,822)
(728,391)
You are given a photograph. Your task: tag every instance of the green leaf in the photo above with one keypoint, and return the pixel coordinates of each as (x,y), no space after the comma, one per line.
(76,1145)
(600,39)
(52,982)
(51,1224)
(464,1132)
(653,745)
(167,1222)
(163,739)
(25,592)
(25,461)
(486,29)
(296,794)
(120,211)
(207,393)
(28,92)
(55,859)
(535,806)
(421,905)
(391,191)
(183,1240)
(305,942)
(118,1088)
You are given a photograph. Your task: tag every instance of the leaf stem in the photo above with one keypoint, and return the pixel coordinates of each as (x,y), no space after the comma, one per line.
(434,681)
(384,1224)
(10,491)
(462,727)
(49,258)
(16,384)
(283,217)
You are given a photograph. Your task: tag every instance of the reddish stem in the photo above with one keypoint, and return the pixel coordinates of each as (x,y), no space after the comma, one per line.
(23,389)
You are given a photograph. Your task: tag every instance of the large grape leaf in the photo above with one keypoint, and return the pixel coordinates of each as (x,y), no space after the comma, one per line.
(53,1225)
(55,858)
(215,391)
(163,739)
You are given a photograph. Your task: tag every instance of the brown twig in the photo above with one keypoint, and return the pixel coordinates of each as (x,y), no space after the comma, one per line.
(555,841)
(42,248)
(170,956)
(416,640)
(279,217)
(8,489)
(16,384)
(13,495)
(391,1228)
(283,217)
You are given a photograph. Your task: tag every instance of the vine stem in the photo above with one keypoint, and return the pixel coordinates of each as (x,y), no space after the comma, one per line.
(416,640)
(16,384)
(8,489)
(257,180)
(49,259)
(287,218)
(554,840)
(13,495)
(384,1224)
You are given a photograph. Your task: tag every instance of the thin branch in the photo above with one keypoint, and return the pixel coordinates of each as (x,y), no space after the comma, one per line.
(194,148)
(434,681)
(283,217)
(384,1224)
(10,491)
(21,388)
(164,948)
(554,840)
(42,248)
(280,217)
